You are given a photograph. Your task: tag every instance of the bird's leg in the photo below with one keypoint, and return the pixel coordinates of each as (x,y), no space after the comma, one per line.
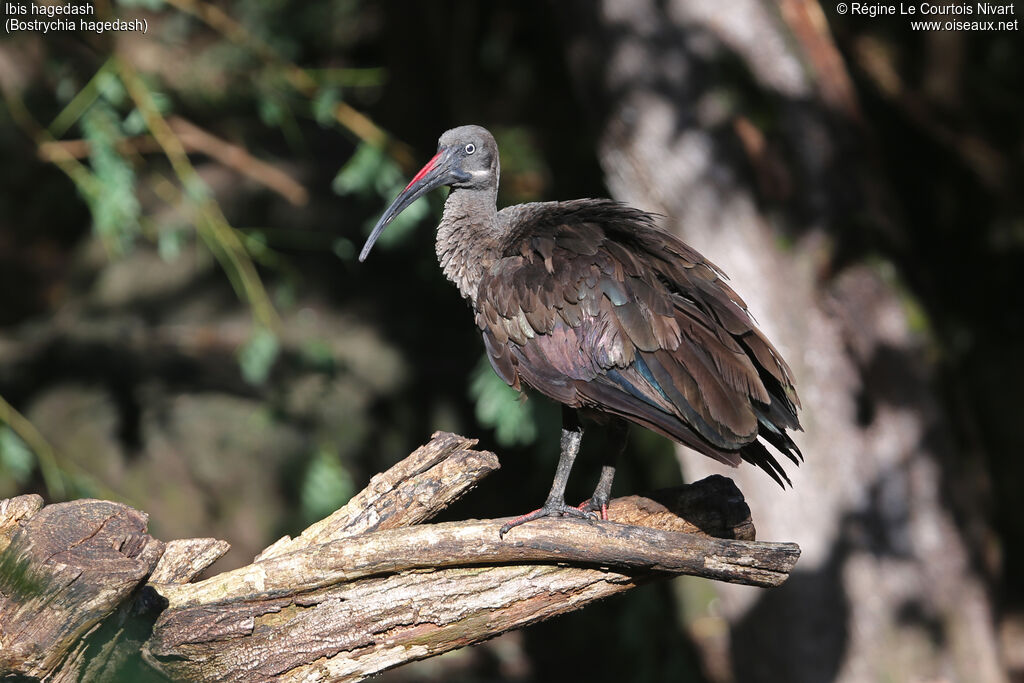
(598,503)
(555,506)
(618,431)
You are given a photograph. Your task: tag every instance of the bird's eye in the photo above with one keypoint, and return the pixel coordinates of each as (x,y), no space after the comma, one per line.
(470,148)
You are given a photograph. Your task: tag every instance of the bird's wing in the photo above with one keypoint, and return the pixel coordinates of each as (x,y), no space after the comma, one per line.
(596,308)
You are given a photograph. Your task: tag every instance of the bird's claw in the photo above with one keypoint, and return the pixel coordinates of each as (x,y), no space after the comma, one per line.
(593,510)
(549,510)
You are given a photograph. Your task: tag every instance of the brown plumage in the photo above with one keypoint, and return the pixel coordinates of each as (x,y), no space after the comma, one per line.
(592,305)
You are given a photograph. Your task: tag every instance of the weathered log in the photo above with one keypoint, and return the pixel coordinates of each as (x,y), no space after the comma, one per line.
(66,568)
(363,590)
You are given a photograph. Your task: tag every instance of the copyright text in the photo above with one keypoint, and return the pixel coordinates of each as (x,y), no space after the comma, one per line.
(939,16)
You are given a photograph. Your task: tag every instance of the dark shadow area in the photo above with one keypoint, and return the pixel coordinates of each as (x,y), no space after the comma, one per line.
(810,614)
(649,645)
(810,642)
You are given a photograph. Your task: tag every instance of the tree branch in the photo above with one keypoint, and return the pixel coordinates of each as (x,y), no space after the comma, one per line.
(193,139)
(370,587)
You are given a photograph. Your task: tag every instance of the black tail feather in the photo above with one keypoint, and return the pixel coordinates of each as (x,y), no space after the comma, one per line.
(756,454)
(783,443)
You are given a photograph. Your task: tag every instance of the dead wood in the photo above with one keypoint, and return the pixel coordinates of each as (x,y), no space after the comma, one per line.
(66,568)
(364,590)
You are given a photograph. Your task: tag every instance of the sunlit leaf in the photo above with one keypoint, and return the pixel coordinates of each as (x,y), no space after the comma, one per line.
(256,357)
(318,355)
(66,89)
(255,243)
(110,88)
(370,173)
(402,225)
(388,181)
(161,100)
(115,209)
(498,406)
(326,486)
(134,123)
(169,244)
(358,174)
(272,112)
(196,189)
(15,457)
(285,294)
(324,104)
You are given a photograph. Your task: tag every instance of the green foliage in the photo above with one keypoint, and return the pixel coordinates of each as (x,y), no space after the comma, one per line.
(344,249)
(255,243)
(498,406)
(196,189)
(326,486)
(82,485)
(285,293)
(316,354)
(324,104)
(273,111)
(170,242)
(135,122)
(115,208)
(357,176)
(17,581)
(371,173)
(15,457)
(256,357)
(277,104)
(524,172)
(110,88)
(78,100)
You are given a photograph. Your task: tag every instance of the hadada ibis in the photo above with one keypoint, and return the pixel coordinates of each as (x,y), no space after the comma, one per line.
(591,304)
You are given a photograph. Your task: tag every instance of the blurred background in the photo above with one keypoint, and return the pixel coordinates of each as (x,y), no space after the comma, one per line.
(184,326)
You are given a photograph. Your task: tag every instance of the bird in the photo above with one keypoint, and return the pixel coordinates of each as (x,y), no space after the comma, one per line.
(591,304)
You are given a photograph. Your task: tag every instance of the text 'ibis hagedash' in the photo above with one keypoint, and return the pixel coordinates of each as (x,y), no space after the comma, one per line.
(590,304)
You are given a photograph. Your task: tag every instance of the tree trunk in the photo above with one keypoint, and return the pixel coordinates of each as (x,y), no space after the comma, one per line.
(737,122)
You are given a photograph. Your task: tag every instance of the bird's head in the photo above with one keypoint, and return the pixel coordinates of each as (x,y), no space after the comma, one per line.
(467,158)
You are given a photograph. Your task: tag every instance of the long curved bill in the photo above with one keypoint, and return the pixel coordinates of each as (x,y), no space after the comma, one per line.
(434,174)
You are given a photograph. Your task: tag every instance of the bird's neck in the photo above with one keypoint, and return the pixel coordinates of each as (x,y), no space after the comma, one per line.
(468,238)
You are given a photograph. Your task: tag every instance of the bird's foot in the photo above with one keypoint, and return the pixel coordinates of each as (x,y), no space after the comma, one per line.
(549,510)
(594,509)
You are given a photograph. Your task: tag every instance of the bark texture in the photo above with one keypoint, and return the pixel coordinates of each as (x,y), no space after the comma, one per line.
(66,568)
(886,589)
(362,591)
